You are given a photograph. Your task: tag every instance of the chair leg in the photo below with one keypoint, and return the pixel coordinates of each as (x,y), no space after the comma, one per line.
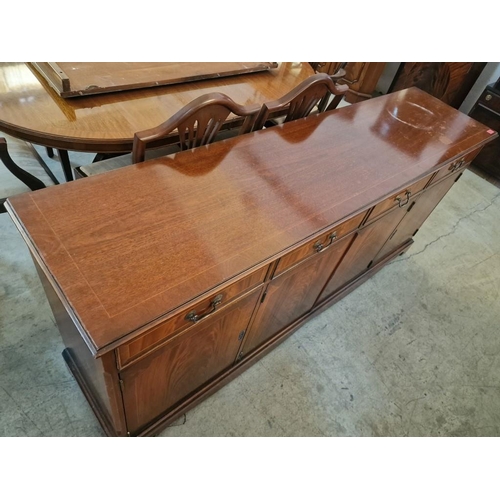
(50,152)
(25,177)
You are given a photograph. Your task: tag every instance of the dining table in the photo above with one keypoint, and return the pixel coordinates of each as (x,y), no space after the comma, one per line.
(105,124)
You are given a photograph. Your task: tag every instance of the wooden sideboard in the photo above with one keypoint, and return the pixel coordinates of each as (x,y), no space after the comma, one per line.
(169,278)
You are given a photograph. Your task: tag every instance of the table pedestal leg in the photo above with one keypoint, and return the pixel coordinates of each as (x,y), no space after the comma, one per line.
(66,165)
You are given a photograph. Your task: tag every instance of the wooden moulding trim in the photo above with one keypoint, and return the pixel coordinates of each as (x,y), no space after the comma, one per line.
(260,352)
(94,404)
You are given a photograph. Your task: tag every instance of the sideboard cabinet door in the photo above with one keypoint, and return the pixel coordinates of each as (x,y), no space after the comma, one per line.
(292,294)
(367,244)
(160,380)
(416,214)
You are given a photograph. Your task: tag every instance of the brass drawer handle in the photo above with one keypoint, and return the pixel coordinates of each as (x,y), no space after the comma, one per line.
(318,246)
(456,165)
(489,97)
(402,202)
(194,317)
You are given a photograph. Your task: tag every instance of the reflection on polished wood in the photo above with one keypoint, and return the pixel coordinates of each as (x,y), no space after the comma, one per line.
(183,271)
(227,206)
(33,111)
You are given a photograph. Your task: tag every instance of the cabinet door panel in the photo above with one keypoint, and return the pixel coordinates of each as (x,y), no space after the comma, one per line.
(154,384)
(416,215)
(293,293)
(365,247)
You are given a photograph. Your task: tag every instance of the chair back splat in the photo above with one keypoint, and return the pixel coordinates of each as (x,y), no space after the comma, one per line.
(299,102)
(197,123)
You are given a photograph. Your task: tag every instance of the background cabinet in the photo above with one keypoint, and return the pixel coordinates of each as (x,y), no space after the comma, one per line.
(448,81)
(362,77)
(487,111)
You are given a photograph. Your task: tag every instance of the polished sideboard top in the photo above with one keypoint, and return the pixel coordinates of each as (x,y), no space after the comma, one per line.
(126,249)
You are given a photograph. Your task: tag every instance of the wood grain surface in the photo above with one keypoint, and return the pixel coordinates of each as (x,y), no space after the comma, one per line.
(162,233)
(33,111)
(72,79)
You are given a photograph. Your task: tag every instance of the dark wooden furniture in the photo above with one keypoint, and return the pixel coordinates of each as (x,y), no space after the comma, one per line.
(106,123)
(73,79)
(336,72)
(361,77)
(185,270)
(448,81)
(199,122)
(487,111)
(25,177)
(314,92)
(196,124)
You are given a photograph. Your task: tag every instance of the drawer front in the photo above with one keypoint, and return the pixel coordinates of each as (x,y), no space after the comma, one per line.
(399,199)
(455,166)
(315,246)
(490,100)
(195,314)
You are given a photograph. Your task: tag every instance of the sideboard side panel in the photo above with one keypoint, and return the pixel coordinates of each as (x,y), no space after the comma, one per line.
(97,376)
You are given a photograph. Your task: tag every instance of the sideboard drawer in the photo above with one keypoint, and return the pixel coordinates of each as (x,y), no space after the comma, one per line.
(490,100)
(316,245)
(399,199)
(194,314)
(454,166)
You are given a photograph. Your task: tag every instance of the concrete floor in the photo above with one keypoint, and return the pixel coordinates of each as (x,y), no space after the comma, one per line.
(415,351)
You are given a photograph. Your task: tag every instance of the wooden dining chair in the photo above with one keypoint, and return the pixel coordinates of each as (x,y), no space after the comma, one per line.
(25,177)
(315,91)
(335,70)
(197,124)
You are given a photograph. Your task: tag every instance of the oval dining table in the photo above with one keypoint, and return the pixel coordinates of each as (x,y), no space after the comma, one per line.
(106,123)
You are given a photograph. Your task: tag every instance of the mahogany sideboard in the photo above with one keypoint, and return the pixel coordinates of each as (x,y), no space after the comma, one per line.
(170,277)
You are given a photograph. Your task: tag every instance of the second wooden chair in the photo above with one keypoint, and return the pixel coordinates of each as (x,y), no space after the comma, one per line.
(299,102)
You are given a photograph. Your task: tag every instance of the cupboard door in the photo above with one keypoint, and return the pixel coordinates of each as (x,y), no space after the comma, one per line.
(293,293)
(416,214)
(367,243)
(157,382)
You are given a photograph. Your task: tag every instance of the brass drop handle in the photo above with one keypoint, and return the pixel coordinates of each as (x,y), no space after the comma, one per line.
(194,317)
(401,201)
(319,247)
(457,165)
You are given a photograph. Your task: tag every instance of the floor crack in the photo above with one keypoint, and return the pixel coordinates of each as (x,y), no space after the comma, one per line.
(453,229)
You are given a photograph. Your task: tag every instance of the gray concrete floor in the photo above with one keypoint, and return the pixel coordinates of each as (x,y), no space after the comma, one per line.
(415,351)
